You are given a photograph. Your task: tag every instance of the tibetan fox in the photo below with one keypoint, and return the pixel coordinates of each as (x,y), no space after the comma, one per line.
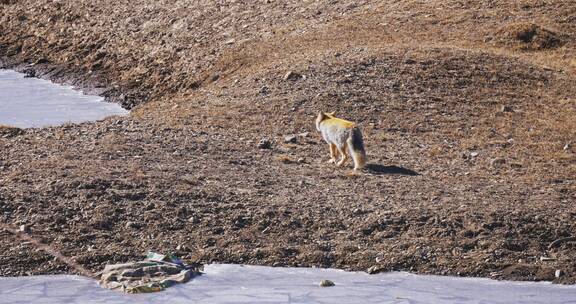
(344,138)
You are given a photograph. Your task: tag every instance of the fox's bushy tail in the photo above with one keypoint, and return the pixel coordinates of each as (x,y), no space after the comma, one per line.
(356,147)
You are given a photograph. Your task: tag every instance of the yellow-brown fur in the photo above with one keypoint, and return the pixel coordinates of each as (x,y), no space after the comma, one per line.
(343,137)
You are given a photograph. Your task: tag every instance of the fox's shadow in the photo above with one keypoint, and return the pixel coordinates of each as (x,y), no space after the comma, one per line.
(378,169)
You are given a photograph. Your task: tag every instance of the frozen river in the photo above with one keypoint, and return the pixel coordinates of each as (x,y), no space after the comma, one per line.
(253,284)
(32,102)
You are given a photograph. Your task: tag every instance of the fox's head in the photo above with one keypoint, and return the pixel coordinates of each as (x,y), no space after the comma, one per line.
(321,117)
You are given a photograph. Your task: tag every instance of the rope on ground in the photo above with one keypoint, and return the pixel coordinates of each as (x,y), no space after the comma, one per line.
(50,250)
(562,240)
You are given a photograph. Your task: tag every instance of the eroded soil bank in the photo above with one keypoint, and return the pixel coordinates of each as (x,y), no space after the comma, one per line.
(467,111)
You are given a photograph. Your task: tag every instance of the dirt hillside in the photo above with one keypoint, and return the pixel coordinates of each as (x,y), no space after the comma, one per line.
(468,110)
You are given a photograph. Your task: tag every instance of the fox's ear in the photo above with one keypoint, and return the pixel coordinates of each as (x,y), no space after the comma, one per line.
(332,113)
(321,115)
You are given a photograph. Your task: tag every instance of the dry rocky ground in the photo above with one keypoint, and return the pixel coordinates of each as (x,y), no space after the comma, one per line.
(468,111)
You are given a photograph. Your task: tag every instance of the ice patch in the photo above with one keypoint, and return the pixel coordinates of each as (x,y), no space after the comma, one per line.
(32,102)
(224,283)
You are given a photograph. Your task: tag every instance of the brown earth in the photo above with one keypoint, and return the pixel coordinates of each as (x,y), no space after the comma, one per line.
(468,111)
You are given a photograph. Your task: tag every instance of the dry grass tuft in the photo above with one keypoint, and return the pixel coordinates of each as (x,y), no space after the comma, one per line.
(8,131)
(529,37)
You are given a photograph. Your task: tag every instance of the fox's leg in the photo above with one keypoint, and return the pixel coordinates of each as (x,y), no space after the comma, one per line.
(344,152)
(333,154)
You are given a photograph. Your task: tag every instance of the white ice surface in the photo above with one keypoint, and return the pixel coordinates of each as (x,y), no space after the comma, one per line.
(253,284)
(32,102)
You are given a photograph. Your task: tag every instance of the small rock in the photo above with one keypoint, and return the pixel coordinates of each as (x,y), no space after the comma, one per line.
(506,109)
(409,61)
(29,73)
(285,159)
(264,90)
(497,162)
(566,147)
(264,143)
(132,225)
(474,154)
(101,224)
(290,139)
(326,283)
(24,228)
(558,273)
(546,259)
(40,61)
(304,134)
(231,41)
(374,269)
(301,160)
(182,247)
(291,76)
(182,211)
